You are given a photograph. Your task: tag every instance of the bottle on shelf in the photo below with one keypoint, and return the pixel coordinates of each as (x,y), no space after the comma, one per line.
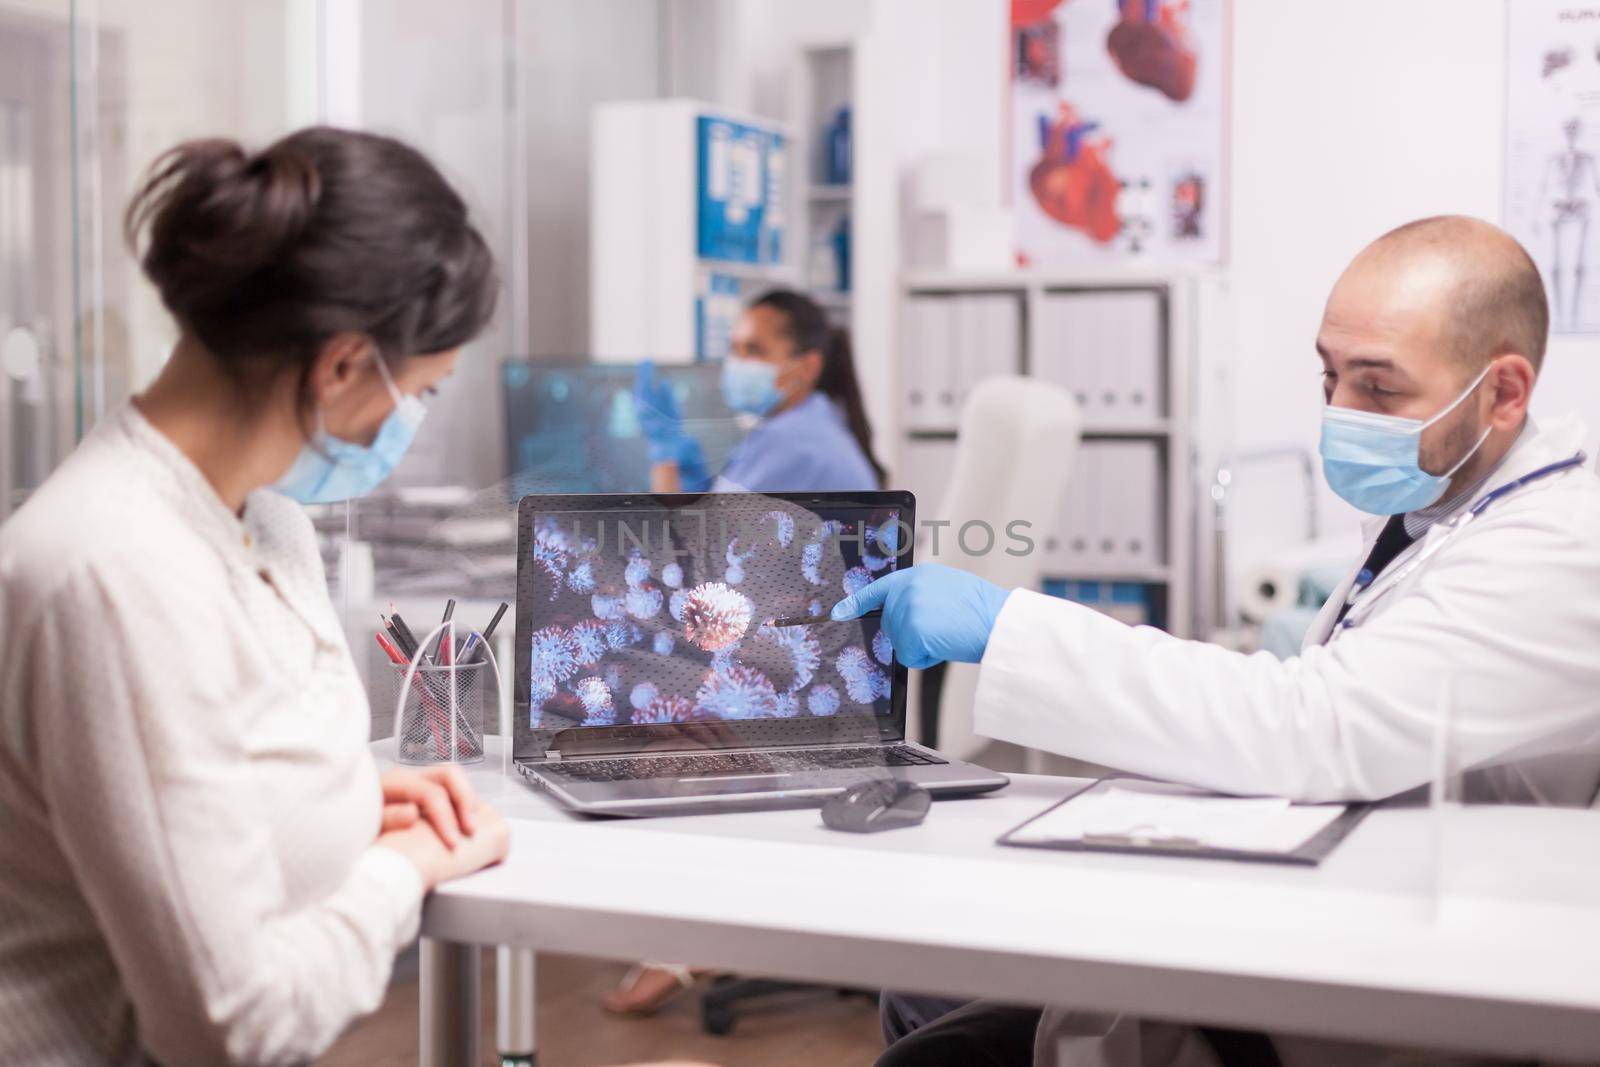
(838,161)
(841,252)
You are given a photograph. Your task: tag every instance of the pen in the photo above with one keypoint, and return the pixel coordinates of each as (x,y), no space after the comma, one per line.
(468,647)
(477,639)
(445,640)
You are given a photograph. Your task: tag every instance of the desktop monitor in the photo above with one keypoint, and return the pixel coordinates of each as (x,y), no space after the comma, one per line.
(574,428)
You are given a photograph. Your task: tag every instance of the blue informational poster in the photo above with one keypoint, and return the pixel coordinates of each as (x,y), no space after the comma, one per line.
(716,310)
(743,184)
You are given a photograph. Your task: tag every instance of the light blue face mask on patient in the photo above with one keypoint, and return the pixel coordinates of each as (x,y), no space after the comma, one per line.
(1371,460)
(329,469)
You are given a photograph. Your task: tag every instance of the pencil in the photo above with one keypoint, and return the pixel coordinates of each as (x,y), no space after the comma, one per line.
(388,647)
(404,631)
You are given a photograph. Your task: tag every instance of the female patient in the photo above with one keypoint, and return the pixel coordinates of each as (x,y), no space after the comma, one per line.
(202,864)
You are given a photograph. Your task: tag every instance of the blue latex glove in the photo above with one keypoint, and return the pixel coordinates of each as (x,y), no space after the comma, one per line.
(693,477)
(932,613)
(659,416)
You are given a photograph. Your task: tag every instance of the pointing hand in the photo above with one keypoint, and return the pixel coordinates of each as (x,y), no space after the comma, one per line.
(931,612)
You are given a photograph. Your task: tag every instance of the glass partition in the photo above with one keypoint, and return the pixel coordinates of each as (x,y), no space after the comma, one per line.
(90,93)
(1515,825)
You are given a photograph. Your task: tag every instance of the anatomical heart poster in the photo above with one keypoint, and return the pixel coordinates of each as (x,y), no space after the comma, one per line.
(1118,114)
(1552,187)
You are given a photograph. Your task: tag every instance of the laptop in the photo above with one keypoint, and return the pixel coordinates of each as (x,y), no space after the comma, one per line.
(674,653)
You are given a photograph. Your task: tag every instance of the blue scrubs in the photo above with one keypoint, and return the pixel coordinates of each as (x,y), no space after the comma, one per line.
(808,448)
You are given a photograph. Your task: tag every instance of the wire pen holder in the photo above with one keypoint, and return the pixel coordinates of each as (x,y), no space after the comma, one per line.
(441,709)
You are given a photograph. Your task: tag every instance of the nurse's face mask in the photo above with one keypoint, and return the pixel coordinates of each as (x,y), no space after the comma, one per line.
(1372,460)
(329,469)
(750,385)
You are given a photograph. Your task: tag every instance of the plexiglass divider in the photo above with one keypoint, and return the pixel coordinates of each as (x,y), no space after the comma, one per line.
(1514,827)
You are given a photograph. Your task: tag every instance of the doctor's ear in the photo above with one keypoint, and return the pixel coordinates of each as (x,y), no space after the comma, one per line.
(1511,378)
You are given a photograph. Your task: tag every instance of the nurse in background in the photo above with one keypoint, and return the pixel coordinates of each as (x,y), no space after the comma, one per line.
(794,371)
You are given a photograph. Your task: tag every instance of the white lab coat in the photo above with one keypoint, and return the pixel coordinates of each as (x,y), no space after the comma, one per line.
(1507,611)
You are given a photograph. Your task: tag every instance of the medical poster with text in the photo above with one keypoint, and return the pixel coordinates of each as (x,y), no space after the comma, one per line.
(1117,130)
(1552,186)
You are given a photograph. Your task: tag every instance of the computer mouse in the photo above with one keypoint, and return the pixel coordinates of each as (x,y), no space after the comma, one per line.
(881,804)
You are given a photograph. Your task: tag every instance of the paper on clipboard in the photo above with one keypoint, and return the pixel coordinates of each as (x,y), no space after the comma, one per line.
(1158,812)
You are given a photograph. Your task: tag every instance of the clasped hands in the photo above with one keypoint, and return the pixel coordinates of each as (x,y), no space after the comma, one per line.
(433,817)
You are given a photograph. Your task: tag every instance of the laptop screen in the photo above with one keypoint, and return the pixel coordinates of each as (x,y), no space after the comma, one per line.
(654,616)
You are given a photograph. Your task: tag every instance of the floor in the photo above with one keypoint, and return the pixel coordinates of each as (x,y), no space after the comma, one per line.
(810,1029)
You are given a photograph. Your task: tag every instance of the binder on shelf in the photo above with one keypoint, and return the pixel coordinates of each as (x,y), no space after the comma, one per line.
(1105,347)
(1127,602)
(1071,543)
(1131,356)
(1108,517)
(1062,355)
(989,342)
(929,364)
(1128,515)
(971,353)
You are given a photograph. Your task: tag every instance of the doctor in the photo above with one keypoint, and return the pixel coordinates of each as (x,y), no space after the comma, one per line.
(1481,567)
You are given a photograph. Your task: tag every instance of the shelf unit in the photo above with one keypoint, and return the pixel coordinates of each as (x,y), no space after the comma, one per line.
(655,187)
(1170,580)
(823,80)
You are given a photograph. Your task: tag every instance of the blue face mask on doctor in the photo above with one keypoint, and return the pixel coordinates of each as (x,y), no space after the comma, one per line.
(1372,460)
(329,469)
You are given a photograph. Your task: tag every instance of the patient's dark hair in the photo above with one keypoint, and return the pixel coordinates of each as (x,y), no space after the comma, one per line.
(263,257)
(808,327)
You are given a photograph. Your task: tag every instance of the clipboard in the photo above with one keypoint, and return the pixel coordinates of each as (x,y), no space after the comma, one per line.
(1308,853)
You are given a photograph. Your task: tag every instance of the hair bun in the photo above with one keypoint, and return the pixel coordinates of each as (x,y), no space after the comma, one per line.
(263,257)
(217,215)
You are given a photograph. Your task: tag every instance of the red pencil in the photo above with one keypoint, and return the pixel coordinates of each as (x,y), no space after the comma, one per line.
(388,647)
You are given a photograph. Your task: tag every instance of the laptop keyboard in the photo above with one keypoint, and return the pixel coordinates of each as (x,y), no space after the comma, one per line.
(719,764)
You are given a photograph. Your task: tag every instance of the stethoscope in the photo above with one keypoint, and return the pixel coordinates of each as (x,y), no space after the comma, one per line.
(1448,529)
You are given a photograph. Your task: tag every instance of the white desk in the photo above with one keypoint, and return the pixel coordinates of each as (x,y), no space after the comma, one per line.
(1353,949)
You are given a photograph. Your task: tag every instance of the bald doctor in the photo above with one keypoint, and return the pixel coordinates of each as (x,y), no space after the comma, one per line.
(1481,565)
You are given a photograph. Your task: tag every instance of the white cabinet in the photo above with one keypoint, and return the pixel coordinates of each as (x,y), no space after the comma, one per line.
(689,207)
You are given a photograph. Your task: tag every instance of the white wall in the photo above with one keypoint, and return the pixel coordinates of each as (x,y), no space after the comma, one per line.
(1386,118)
(573,54)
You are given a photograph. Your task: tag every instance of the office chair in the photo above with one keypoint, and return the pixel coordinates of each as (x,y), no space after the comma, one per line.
(1016,448)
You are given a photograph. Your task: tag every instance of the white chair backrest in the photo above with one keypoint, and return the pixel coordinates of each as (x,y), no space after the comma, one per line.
(1017,447)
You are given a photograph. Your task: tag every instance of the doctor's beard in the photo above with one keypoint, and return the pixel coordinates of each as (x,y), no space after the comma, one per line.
(1457,435)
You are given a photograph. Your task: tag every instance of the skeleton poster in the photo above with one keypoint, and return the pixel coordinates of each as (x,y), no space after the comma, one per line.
(1552,186)
(1117,130)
